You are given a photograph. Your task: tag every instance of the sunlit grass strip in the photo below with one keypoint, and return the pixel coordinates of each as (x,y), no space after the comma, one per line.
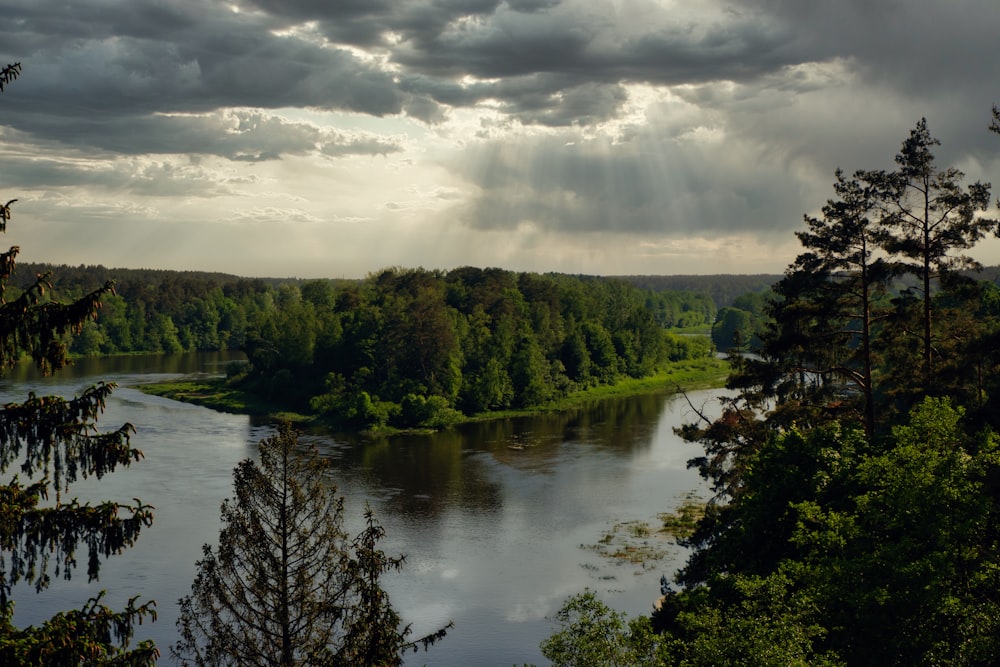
(216,394)
(684,375)
(687,375)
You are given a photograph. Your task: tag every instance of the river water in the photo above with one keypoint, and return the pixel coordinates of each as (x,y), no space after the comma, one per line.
(500,522)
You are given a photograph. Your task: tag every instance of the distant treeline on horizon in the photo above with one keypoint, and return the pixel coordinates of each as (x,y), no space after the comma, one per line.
(723,288)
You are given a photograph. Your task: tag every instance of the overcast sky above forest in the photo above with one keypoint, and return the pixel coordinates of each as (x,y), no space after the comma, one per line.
(332,138)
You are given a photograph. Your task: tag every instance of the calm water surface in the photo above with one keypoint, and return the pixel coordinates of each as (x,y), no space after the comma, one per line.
(493,518)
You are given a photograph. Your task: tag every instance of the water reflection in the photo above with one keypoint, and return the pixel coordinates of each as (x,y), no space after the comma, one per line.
(428,474)
(97,368)
(491,516)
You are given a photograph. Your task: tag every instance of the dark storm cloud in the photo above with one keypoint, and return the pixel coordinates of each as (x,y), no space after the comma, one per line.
(235,64)
(237,135)
(563,63)
(545,62)
(515,48)
(92,65)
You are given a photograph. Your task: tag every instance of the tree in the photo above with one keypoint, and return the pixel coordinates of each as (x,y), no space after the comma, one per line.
(591,633)
(733,329)
(746,621)
(856,501)
(827,305)
(919,530)
(287,585)
(929,217)
(55,440)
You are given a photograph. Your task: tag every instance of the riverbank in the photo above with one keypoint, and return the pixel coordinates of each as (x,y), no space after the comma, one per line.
(216,393)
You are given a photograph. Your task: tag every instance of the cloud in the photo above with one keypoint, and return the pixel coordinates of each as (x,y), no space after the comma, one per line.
(594,125)
(87,58)
(669,186)
(235,134)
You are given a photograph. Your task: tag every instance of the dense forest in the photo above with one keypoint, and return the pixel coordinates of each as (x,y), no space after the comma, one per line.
(169,311)
(403,347)
(855,464)
(723,289)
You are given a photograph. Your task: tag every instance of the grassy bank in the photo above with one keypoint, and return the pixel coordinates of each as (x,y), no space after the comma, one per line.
(215,393)
(684,375)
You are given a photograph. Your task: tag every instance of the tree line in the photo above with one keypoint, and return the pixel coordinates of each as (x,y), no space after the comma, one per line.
(855,464)
(413,347)
(154,310)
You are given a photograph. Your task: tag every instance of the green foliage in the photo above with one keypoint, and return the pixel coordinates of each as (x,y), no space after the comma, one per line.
(89,636)
(591,633)
(287,585)
(856,468)
(734,329)
(53,441)
(918,528)
(466,341)
(851,552)
(746,621)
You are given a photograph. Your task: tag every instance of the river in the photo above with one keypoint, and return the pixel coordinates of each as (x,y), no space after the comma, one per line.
(500,522)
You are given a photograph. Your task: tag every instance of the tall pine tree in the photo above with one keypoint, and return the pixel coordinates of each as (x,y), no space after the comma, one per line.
(287,585)
(930,219)
(55,441)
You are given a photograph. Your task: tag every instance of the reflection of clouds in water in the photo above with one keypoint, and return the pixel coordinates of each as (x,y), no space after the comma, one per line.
(432,615)
(532,610)
(544,604)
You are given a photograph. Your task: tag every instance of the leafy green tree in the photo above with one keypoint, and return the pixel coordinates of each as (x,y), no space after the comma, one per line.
(54,441)
(591,633)
(733,328)
(853,551)
(905,567)
(747,621)
(287,585)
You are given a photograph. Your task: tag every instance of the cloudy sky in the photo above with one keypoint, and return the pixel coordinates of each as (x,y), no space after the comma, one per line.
(331,138)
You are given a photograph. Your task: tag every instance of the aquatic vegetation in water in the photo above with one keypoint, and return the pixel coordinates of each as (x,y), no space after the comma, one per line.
(638,542)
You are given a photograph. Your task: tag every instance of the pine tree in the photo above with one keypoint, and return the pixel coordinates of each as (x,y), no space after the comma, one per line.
(287,585)
(55,441)
(929,220)
(827,308)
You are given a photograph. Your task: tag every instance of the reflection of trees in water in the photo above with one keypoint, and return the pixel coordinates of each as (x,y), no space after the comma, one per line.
(623,424)
(103,367)
(427,474)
